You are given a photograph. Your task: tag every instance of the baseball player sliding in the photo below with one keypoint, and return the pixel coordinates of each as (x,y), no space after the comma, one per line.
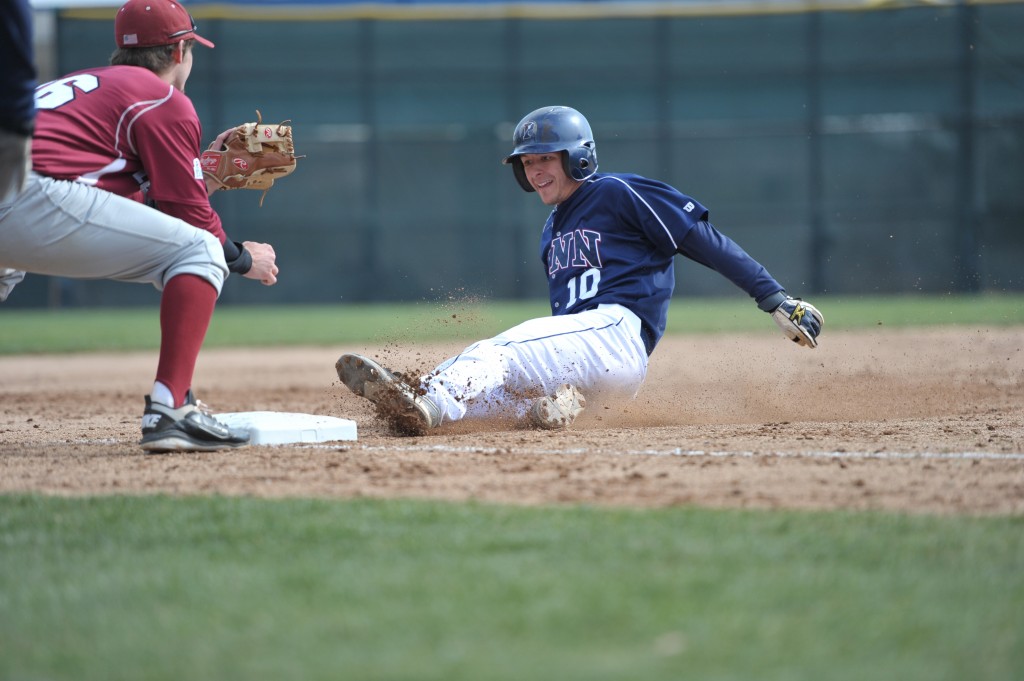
(117,191)
(608,248)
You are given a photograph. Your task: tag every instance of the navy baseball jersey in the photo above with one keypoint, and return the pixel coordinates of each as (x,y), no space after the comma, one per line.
(614,241)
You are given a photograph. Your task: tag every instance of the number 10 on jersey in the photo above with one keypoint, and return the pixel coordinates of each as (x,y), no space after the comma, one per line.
(583,286)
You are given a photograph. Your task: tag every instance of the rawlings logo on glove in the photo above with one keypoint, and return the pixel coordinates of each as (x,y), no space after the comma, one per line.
(253,156)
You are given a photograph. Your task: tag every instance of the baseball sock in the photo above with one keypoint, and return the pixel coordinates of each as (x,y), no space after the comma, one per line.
(186,308)
(162,394)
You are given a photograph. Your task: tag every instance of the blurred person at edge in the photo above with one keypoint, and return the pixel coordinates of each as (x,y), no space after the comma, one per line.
(17,108)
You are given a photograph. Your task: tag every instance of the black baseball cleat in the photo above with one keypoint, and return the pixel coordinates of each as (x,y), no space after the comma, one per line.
(189,428)
(396,401)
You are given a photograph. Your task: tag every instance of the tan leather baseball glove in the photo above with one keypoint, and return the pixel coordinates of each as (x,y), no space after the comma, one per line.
(253,156)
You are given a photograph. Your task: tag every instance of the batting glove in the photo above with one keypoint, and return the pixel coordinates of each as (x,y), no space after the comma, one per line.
(800,321)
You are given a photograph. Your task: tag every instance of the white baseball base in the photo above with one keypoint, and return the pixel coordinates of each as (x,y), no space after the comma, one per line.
(283,428)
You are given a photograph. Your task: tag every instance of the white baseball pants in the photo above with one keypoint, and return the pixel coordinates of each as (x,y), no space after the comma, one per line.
(68,229)
(599,351)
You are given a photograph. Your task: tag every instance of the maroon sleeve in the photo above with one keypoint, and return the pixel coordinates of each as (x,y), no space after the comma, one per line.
(167,139)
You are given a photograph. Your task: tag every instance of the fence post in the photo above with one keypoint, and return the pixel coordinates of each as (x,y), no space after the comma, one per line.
(966,226)
(815,164)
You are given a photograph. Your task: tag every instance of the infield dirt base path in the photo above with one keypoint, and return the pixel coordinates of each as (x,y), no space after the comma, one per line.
(921,421)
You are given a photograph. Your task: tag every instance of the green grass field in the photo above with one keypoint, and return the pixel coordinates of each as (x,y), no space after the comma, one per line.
(79,330)
(218,588)
(128,587)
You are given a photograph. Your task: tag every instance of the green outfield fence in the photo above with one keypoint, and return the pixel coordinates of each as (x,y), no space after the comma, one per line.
(853,148)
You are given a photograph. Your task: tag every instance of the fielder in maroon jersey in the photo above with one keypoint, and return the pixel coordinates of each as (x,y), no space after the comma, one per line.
(117,192)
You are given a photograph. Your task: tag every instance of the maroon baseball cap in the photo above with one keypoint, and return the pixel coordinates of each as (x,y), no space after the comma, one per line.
(147,23)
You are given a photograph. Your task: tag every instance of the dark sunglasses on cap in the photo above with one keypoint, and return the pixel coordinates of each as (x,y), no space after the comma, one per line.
(187,30)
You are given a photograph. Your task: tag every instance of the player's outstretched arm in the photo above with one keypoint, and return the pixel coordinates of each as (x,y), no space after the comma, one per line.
(798,319)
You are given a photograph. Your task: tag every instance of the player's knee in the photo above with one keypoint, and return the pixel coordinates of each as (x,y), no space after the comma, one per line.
(202,256)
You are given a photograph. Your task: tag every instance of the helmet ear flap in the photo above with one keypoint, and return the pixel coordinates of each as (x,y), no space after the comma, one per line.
(520,173)
(577,163)
(577,167)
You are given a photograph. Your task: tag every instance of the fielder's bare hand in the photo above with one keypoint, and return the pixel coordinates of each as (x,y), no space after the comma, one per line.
(264,263)
(218,142)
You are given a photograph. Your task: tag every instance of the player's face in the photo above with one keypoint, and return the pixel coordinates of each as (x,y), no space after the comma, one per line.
(546,174)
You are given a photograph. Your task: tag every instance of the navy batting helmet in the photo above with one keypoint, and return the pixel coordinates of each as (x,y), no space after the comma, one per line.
(554,128)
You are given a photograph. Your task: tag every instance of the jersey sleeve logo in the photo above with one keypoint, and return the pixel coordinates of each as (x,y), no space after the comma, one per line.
(580,248)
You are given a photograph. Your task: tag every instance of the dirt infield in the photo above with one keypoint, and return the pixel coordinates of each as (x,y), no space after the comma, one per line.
(921,421)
